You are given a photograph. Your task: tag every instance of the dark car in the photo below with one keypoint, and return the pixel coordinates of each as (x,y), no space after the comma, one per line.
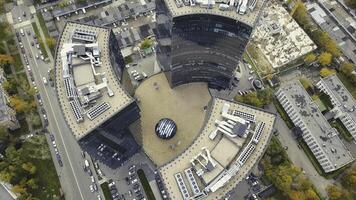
(51,136)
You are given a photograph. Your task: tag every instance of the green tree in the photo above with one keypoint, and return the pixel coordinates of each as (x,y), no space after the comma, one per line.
(32,183)
(29,167)
(324,72)
(306,82)
(51,42)
(347,68)
(337,193)
(310,58)
(146,43)
(325,58)
(349,179)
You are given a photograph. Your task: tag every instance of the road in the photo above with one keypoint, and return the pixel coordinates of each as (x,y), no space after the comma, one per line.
(74,181)
(297,155)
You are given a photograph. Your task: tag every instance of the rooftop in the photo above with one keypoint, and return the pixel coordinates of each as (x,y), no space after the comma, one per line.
(344,99)
(84,75)
(220,158)
(325,136)
(279,36)
(248,11)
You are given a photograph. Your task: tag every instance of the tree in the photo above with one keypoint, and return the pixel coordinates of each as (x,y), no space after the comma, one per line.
(51,42)
(337,193)
(29,167)
(146,43)
(351,3)
(324,72)
(34,119)
(347,68)
(6,59)
(4,133)
(32,183)
(18,189)
(325,58)
(349,179)
(19,104)
(306,82)
(310,58)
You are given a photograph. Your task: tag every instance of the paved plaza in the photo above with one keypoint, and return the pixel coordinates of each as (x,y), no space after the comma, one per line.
(183,104)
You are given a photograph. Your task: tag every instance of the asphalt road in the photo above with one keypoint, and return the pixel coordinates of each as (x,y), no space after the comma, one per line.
(74,181)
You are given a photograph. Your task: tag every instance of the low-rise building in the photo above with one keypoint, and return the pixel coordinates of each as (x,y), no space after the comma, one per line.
(344,103)
(321,138)
(279,37)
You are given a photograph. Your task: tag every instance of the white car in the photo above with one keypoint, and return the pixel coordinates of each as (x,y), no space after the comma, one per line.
(250,78)
(44,80)
(92,179)
(19,18)
(42,57)
(28,67)
(37,56)
(91,188)
(99,197)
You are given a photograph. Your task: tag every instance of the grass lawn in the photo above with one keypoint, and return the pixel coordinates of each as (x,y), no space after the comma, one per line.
(17,62)
(342,130)
(49,186)
(326,100)
(43,49)
(318,102)
(106,191)
(44,29)
(283,114)
(350,87)
(145,184)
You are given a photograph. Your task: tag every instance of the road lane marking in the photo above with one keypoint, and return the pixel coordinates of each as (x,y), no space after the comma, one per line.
(54,116)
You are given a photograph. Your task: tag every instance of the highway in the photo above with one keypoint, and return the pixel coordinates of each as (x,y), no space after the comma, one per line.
(74,180)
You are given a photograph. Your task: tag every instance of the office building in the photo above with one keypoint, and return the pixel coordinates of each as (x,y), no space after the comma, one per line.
(203,40)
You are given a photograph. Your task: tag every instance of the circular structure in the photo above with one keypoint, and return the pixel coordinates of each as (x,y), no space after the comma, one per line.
(257,84)
(166,128)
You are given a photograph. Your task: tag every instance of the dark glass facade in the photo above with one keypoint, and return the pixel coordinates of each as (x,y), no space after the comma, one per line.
(199,47)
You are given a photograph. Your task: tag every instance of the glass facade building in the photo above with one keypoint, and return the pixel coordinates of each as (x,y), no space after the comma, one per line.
(199,47)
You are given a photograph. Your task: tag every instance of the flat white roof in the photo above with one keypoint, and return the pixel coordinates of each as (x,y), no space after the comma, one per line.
(119,101)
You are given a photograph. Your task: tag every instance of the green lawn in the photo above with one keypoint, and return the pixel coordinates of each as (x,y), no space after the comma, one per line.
(17,62)
(342,130)
(145,184)
(348,84)
(106,191)
(326,100)
(44,29)
(49,186)
(35,28)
